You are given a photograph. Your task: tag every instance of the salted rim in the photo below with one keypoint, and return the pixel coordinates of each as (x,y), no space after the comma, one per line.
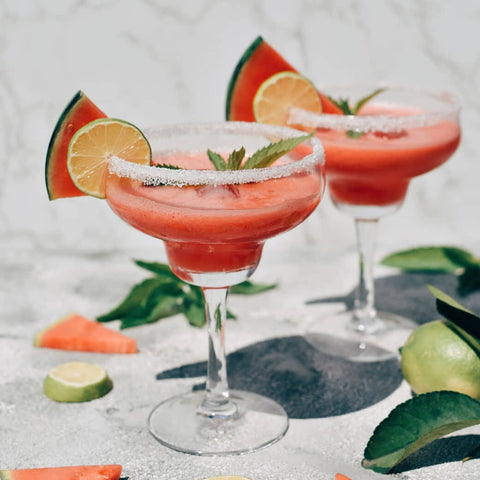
(154,176)
(382,123)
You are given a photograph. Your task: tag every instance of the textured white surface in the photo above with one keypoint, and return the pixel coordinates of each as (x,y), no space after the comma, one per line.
(156,62)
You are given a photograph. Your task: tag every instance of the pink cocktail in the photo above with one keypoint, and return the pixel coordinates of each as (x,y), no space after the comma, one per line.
(214,225)
(371,158)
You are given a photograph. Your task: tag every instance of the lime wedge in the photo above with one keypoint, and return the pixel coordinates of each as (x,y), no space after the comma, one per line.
(95,143)
(76,382)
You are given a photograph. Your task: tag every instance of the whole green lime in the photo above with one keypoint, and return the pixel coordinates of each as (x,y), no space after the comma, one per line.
(435,357)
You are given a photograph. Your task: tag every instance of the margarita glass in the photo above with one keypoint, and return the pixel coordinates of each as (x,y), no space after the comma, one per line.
(214,225)
(370,159)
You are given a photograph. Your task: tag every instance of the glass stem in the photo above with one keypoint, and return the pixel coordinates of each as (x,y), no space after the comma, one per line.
(216,402)
(364,313)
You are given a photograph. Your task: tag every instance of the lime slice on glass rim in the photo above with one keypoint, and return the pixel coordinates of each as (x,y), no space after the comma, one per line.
(95,143)
(281,92)
(77,382)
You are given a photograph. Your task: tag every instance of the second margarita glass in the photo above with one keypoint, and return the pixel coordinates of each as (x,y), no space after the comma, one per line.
(370,159)
(214,225)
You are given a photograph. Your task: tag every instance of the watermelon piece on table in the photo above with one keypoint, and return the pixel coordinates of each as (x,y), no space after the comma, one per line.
(84,472)
(259,62)
(80,111)
(78,333)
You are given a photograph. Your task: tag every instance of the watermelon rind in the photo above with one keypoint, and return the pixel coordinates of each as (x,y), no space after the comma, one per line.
(56,131)
(236,72)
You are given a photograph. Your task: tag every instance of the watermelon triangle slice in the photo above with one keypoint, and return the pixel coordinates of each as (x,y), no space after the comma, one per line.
(84,472)
(78,333)
(259,62)
(80,111)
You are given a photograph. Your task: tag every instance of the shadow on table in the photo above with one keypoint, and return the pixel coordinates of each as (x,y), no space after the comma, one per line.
(443,450)
(311,384)
(407,295)
(307,383)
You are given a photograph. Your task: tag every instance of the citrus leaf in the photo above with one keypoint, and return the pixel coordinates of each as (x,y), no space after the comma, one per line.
(267,155)
(249,288)
(456,313)
(428,259)
(415,423)
(469,280)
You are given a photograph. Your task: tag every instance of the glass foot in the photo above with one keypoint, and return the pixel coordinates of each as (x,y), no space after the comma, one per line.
(340,336)
(257,423)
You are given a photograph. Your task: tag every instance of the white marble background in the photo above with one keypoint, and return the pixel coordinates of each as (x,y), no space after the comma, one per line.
(163,61)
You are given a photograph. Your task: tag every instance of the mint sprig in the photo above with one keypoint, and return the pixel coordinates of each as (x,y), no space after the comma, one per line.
(344,105)
(262,158)
(440,259)
(164,295)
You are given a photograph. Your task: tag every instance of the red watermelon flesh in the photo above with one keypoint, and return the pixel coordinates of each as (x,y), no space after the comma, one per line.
(80,111)
(78,333)
(88,472)
(259,62)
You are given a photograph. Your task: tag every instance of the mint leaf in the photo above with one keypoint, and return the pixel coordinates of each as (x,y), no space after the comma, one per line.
(159,269)
(235,159)
(267,155)
(165,295)
(365,100)
(344,104)
(260,159)
(249,288)
(428,259)
(167,165)
(135,302)
(217,161)
(457,314)
(415,423)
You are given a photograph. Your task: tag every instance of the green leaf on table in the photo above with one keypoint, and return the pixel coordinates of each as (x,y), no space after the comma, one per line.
(429,259)
(249,288)
(415,423)
(164,295)
(135,302)
(469,280)
(159,269)
(459,316)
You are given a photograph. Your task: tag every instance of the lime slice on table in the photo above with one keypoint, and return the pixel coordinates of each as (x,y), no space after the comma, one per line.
(282,91)
(95,143)
(77,382)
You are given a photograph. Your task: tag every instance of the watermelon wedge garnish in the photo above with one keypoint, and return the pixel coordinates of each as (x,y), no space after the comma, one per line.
(83,472)
(258,63)
(78,333)
(80,111)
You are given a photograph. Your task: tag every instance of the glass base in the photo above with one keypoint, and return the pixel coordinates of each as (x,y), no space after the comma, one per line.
(257,423)
(340,336)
